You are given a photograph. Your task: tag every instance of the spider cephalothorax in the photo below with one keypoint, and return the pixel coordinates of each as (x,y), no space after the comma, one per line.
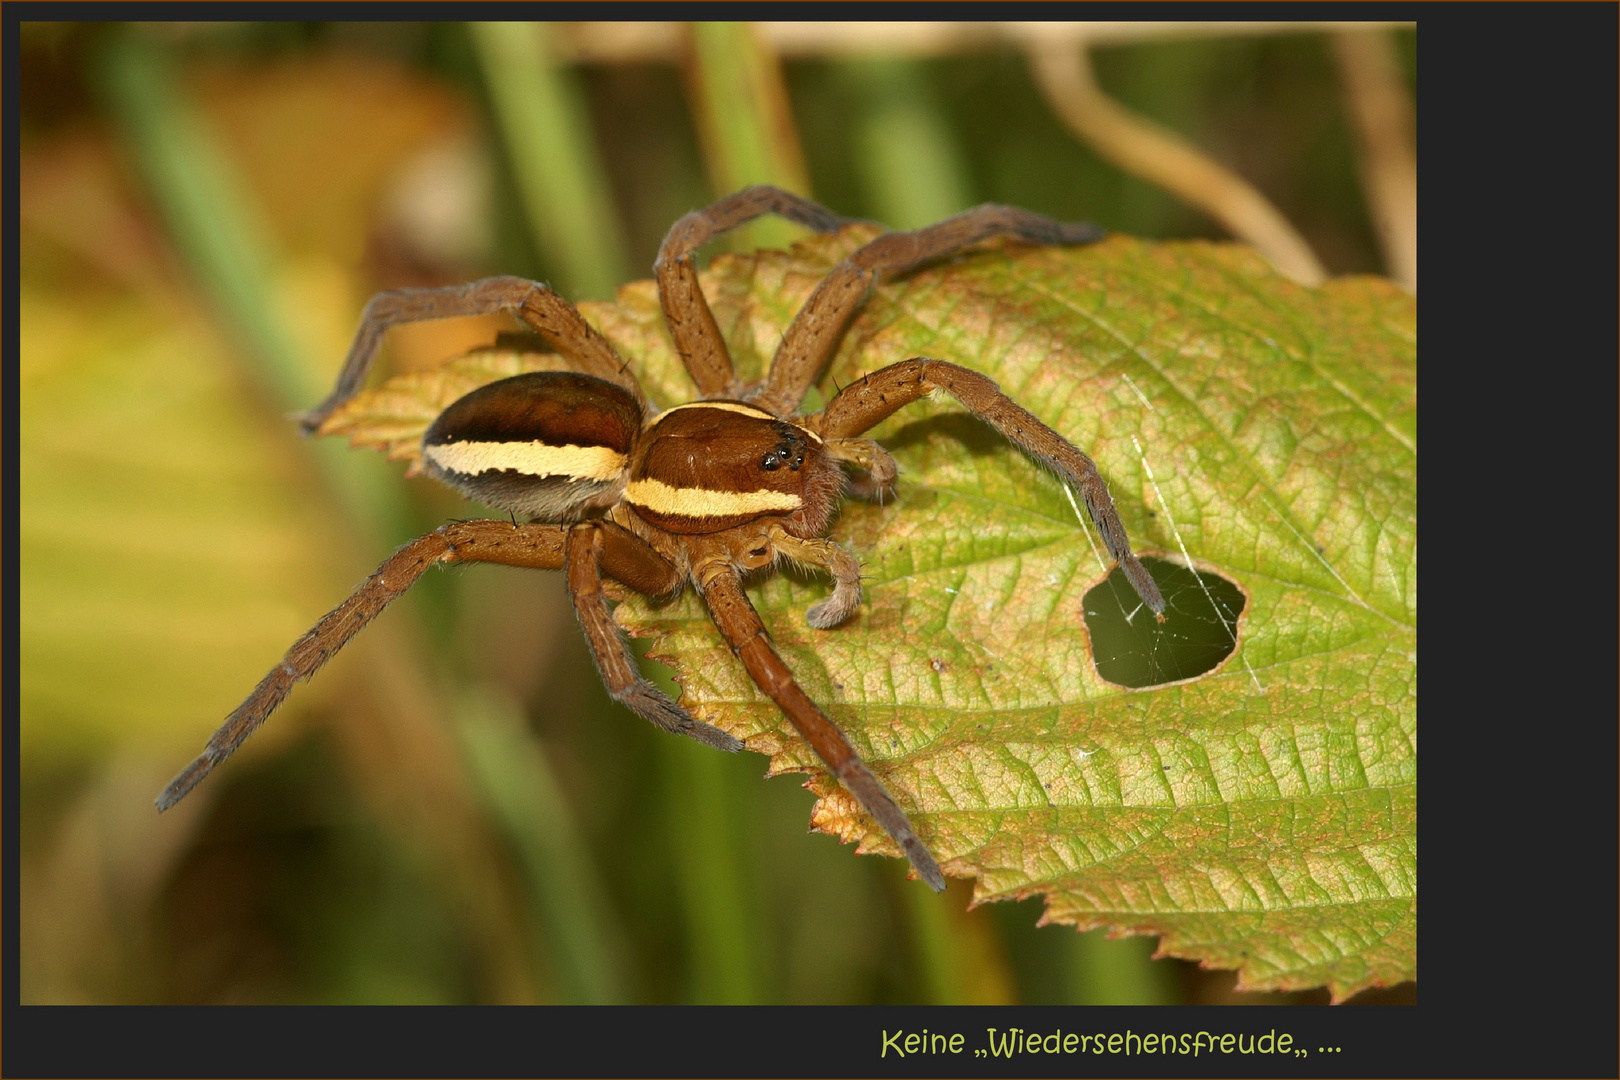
(697,494)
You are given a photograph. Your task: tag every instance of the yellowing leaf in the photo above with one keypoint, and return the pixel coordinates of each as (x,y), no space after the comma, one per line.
(393,417)
(1261,817)
(164,549)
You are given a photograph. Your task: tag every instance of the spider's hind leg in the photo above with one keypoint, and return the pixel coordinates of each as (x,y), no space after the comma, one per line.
(463,541)
(589,548)
(546,313)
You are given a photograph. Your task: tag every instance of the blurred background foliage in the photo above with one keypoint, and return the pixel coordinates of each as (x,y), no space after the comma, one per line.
(453,811)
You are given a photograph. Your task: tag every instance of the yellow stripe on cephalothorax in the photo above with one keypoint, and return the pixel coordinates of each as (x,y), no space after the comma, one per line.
(723,406)
(728,406)
(533,458)
(690,502)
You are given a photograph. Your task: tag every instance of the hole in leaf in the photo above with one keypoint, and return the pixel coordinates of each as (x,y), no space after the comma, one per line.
(1199,629)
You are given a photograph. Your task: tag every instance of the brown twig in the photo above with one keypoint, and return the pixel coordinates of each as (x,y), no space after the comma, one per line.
(661,42)
(1382,114)
(1062,70)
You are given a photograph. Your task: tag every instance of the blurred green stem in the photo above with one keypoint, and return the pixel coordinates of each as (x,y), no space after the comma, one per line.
(205,209)
(1121,972)
(702,808)
(745,122)
(910,168)
(937,950)
(210,221)
(722,925)
(546,129)
(521,791)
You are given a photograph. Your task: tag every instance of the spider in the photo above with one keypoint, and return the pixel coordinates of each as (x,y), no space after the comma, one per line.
(697,494)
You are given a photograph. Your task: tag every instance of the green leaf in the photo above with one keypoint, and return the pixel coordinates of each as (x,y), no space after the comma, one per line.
(1261,817)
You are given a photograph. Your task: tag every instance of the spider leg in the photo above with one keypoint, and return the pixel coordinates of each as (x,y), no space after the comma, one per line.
(590,547)
(548,314)
(468,541)
(811,339)
(863,404)
(824,555)
(691,323)
(740,625)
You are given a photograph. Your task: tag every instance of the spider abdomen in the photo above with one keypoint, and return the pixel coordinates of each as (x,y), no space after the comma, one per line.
(714,465)
(549,444)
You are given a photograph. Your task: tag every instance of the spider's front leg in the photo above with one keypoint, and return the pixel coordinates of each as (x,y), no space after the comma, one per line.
(739,623)
(861,405)
(591,547)
(539,546)
(691,323)
(809,342)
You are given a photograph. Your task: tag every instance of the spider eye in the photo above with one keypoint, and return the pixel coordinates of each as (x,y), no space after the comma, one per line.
(789,450)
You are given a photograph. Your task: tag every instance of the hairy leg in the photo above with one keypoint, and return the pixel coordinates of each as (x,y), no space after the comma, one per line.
(862,404)
(587,549)
(811,339)
(691,323)
(548,314)
(468,541)
(739,624)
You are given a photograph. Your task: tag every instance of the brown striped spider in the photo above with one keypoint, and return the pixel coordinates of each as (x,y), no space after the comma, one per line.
(697,494)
